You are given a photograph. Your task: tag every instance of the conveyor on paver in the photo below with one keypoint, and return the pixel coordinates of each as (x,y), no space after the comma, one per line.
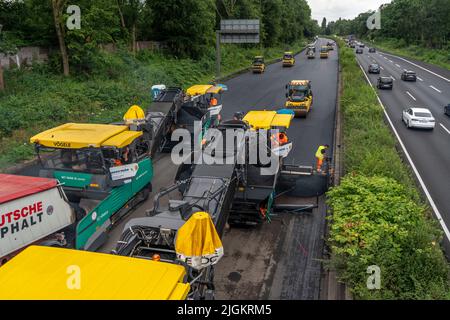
(162,115)
(172,110)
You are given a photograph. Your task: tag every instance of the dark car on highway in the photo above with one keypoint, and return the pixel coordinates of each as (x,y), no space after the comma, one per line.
(362,45)
(352,45)
(447,109)
(372,50)
(374,68)
(359,51)
(409,76)
(385,83)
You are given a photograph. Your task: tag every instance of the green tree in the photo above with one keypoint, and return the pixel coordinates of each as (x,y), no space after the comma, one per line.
(187,27)
(271,21)
(100,25)
(129,12)
(7,46)
(324,25)
(57,7)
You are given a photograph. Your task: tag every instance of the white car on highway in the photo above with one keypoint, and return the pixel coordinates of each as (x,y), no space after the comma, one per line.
(418,118)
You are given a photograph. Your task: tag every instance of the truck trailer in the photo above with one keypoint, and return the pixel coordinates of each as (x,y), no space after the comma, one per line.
(32,211)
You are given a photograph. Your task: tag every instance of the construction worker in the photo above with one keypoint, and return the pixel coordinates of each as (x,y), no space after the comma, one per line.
(238,115)
(214,102)
(279,139)
(283,138)
(126,156)
(320,156)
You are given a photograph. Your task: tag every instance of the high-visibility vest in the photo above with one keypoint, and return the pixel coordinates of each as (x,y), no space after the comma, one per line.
(283,138)
(319,154)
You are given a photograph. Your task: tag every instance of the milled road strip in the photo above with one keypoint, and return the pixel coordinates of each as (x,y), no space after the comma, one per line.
(436,89)
(416,65)
(416,172)
(443,127)
(412,97)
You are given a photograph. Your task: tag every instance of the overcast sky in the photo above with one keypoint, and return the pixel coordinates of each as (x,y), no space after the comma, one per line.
(345,9)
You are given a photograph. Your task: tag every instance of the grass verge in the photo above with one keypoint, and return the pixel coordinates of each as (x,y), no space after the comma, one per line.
(38,98)
(378,216)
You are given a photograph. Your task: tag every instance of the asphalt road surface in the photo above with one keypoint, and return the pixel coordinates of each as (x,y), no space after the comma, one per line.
(280,260)
(429,150)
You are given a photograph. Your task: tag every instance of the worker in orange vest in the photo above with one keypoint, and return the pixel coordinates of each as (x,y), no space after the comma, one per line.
(213,102)
(279,139)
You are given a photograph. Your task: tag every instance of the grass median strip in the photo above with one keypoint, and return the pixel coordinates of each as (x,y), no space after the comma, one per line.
(378,216)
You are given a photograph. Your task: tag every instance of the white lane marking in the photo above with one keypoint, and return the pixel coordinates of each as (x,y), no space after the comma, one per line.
(436,89)
(416,172)
(397,65)
(412,97)
(392,78)
(405,69)
(443,127)
(420,79)
(385,58)
(391,61)
(381,68)
(416,65)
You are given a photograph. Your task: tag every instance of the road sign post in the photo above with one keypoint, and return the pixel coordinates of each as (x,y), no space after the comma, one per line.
(235,31)
(218,54)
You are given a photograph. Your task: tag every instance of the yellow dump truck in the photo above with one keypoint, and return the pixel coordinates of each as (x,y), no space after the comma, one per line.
(288,59)
(299,97)
(44,273)
(258,65)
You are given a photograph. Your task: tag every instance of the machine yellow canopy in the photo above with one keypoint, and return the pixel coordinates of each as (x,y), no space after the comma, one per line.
(198,243)
(267,120)
(44,273)
(202,89)
(123,139)
(81,135)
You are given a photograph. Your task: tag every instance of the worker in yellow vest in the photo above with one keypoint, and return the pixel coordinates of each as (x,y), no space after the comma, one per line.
(320,156)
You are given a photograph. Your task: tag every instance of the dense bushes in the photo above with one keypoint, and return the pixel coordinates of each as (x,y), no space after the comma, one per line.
(375,222)
(378,218)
